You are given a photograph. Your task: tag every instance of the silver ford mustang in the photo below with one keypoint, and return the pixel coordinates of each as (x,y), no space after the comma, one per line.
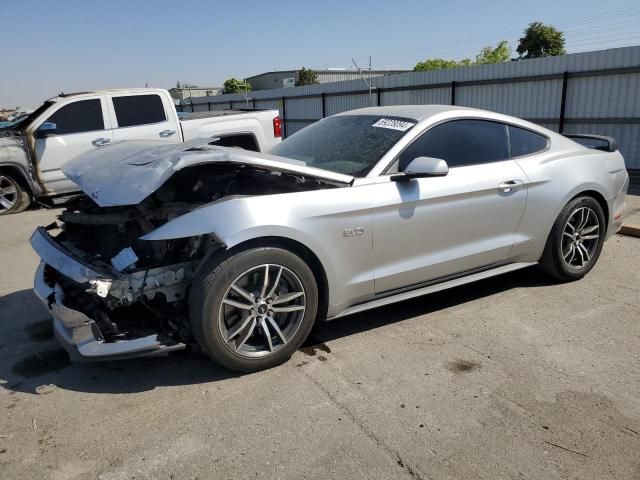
(238,253)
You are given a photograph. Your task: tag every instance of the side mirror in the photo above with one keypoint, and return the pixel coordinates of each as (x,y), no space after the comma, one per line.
(46,130)
(422,167)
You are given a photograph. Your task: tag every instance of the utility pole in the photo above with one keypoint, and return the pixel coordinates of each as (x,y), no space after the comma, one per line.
(370,83)
(364,79)
(244,91)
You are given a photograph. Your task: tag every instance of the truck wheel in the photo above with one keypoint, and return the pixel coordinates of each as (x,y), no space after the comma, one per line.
(254,309)
(575,241)
(13,198)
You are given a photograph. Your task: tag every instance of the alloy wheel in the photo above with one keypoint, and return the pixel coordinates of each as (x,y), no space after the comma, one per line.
(580,238)
(8,193)
(262,310)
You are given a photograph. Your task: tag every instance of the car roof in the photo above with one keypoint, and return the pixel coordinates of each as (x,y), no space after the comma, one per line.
(105,92)
(415,112)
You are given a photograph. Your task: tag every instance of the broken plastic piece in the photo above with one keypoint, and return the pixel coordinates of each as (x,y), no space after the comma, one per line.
(124,259)
(101,287)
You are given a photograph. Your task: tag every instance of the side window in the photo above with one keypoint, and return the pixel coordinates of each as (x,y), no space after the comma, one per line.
(78,117)
(460,143)
(525,142)
(138,110)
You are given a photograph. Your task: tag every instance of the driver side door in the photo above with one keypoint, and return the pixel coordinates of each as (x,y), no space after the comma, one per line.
(427,229)
(80,126)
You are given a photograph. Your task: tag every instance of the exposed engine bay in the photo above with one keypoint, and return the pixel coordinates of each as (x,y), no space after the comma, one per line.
(144,285)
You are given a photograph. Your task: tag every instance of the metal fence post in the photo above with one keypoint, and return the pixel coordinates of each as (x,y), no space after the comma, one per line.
(378,96)
(324,106)
(563,101)
(453,93)
(209,105)
(253,102)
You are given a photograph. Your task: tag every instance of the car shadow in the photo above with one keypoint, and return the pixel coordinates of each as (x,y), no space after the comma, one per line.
(31,358)
(369,320)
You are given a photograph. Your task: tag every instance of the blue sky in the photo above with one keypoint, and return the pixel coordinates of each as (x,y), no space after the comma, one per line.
(79,45)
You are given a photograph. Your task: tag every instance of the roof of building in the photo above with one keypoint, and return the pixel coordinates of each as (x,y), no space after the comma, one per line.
(329,71)
(195,87)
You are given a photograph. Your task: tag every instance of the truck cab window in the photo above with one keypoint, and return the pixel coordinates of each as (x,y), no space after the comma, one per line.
(78,117)
(132,110)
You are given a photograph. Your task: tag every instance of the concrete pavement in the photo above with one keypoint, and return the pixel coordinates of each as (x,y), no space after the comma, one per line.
(513,377)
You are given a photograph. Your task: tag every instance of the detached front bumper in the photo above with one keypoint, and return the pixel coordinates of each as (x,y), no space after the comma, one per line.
(79,334)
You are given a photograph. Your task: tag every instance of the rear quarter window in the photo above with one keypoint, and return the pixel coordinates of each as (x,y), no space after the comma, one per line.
(525,142)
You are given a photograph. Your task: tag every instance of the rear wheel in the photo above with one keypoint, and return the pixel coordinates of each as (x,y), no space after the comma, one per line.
(254,309)
(13,198)
(575,241)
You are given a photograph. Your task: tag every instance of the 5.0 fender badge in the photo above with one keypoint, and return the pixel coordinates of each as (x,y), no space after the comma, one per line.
(352,232)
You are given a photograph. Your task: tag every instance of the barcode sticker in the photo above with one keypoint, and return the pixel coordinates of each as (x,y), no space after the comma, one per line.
(393,124)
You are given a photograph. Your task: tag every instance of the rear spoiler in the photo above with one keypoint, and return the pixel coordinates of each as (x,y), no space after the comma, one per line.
(597,142)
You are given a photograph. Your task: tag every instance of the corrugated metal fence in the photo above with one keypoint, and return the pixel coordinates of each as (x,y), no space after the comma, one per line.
(592,92)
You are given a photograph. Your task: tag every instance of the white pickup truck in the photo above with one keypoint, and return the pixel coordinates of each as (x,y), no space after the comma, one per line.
(32,152)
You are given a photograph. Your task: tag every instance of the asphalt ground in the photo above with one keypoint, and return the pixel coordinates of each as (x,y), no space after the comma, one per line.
(515,377)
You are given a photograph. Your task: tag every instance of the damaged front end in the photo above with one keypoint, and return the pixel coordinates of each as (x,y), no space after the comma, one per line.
(102,311)
(112,294)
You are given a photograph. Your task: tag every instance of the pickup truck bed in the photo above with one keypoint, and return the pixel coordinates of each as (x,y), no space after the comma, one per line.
(186,116)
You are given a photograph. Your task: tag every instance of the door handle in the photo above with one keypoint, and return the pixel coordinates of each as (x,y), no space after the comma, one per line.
(510,185)
(99,142)
(166,133)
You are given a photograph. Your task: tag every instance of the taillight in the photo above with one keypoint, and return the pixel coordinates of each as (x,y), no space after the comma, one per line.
(277,127)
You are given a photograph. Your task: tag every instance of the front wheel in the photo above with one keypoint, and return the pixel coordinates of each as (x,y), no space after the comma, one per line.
(254,309)
(575,241)
(13,198)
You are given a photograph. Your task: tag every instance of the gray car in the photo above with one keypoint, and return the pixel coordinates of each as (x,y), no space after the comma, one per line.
(240,253)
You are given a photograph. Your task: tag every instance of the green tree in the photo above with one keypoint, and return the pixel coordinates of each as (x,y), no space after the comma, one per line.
(436,64)
(502,53)
(306,76)
(233,85)
(541,40)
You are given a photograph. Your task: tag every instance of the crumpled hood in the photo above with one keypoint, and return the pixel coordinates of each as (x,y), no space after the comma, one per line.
(125,173)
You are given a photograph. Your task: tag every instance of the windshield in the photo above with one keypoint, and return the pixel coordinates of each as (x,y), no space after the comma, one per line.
(348,144)
(35,114)
(17,120)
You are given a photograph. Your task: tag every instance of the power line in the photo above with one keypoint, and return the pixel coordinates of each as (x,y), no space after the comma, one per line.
(582,24)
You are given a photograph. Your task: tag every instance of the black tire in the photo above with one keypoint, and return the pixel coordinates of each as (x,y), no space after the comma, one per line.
(212,284)
(19,199)
(553,260)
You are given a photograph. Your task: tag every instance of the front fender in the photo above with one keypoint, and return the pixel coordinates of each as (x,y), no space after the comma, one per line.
(14,156)
(316,219)
(236,220)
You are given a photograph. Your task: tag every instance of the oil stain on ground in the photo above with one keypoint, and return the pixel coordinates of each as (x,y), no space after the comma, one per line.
(312,350)
(40,331)
(462,366)
(41,363)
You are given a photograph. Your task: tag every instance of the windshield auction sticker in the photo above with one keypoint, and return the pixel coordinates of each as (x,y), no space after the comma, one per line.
(393,124)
